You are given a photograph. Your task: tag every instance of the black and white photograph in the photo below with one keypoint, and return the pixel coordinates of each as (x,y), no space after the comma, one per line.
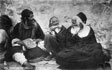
(55,34)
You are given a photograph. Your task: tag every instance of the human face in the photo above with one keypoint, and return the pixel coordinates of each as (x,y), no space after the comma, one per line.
(30,17)
(53,28)
(30,20)
(76,20)
(75,27)
(55,21)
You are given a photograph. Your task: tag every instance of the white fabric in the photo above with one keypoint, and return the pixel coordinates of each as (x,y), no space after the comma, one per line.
(30,43)
(75,30)
(14,42)
(19,57)
(23,47)
(84,32)
(41,45)
(15,45)
(3,36)
(52,33)
(57,30)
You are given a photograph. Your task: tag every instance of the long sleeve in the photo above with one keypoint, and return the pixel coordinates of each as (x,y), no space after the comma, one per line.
(15,33)
(61,37)
(39,33)
(61,34)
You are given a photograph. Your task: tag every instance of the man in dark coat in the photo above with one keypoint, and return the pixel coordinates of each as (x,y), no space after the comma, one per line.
(82,50)
(25,38)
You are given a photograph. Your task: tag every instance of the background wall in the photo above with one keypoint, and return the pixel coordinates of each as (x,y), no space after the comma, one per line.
(98,13)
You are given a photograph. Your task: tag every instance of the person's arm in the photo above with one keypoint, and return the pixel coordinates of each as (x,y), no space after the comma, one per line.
(61,34)
(39,33)
(15,35)
(15,32)
(92,35)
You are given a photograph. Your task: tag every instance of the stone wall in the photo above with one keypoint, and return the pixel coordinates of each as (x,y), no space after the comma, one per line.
(98,13)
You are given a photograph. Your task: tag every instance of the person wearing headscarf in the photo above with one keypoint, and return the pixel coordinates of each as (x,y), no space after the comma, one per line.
(26,39)
(82,50)
(55,40)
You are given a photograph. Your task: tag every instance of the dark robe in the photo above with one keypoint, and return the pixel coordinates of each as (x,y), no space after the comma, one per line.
(5,41)
(81,52)
(56,43)
(34,32)
(20,32)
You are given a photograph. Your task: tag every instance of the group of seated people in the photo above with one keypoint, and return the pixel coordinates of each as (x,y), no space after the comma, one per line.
(73,47)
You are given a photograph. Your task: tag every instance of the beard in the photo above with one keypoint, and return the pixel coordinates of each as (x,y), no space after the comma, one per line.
(74,30)
(30,22)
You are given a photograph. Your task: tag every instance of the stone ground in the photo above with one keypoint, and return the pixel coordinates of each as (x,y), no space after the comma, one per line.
(41,65)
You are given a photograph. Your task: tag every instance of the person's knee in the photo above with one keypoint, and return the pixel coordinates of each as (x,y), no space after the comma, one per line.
(19,57)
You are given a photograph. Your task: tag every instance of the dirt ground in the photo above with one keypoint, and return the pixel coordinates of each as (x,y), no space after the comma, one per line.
(41,65)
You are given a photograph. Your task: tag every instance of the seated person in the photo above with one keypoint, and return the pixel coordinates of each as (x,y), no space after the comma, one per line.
(25,35)
(5,30)
(55,40)
(82,50)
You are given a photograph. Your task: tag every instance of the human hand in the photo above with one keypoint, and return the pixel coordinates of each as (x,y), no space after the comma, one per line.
(37,40)
(15,42)
(52,33)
